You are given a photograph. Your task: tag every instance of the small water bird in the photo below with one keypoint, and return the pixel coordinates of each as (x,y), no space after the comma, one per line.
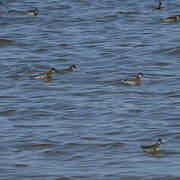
(153,148)
(159,6)
(71,68)
(32,12)
(135,81)
(172,18)
(1,4)
(46,75)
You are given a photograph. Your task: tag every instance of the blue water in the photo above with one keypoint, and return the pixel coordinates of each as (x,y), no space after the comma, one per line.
(86,124)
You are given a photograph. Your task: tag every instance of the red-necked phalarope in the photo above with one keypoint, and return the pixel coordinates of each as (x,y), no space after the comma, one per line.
(71,68)
(172,18)
(46,75)
(135,81)
(159,6)
(153,148)
(32,12)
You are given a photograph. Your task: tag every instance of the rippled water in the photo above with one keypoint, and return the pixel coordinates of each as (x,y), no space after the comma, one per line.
(87,124)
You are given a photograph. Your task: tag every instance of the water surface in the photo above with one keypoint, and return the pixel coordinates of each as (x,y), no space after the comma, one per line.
(87,124)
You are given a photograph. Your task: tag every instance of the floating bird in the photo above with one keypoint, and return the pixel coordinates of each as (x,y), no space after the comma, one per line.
(70,69)
(153,148)
(1,3)
(32,12)
(135,81)
(159,6)
(172,18)
(46,75)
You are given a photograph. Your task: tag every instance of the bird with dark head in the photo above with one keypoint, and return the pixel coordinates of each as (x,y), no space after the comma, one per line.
(159,6)
(32,12)
(153,148)
(71,68)
(135,81)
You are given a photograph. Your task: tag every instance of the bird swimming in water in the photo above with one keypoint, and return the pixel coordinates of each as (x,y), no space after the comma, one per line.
(71,68)
(32,12)
(134,81)
(153,148)
(159,6)
(46,75)
(172,18)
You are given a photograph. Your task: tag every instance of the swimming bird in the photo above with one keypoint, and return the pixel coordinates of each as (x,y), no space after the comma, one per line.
(135,81)
(32,12)
(153,148)
(172,18)
(46,75)
(71,68)
(1,3)
(159,6)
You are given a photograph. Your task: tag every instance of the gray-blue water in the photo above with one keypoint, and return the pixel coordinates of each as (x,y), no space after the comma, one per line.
(87,125)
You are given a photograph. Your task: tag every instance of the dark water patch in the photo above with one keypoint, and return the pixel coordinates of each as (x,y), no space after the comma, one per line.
(63,45)
(22,165)
(173,119)
(113,133)
(113,144)
(7,112)
(141,45)
(162,63)
(15,76)
(37,176)
(106,19)
(30,126)
(127,12)
(174,95)
(80,177)
(163,50)
(41,50)
(13,11)
(74,158)
(175,51)
(64,7)
(72,145)
(169,153)
(117,162)
(79,94)
(89,138)
(80,19)
(54,153)
(3,24)
(63,178)
(7,97)
(165,177)
(32,146)
(5,41)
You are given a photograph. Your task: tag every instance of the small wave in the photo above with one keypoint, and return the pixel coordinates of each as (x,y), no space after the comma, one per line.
(21,165)
(126,12)
(113,144)
(53,152)
(63,178)
(7,113)
(5,41)
(74,158)
(40,50)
